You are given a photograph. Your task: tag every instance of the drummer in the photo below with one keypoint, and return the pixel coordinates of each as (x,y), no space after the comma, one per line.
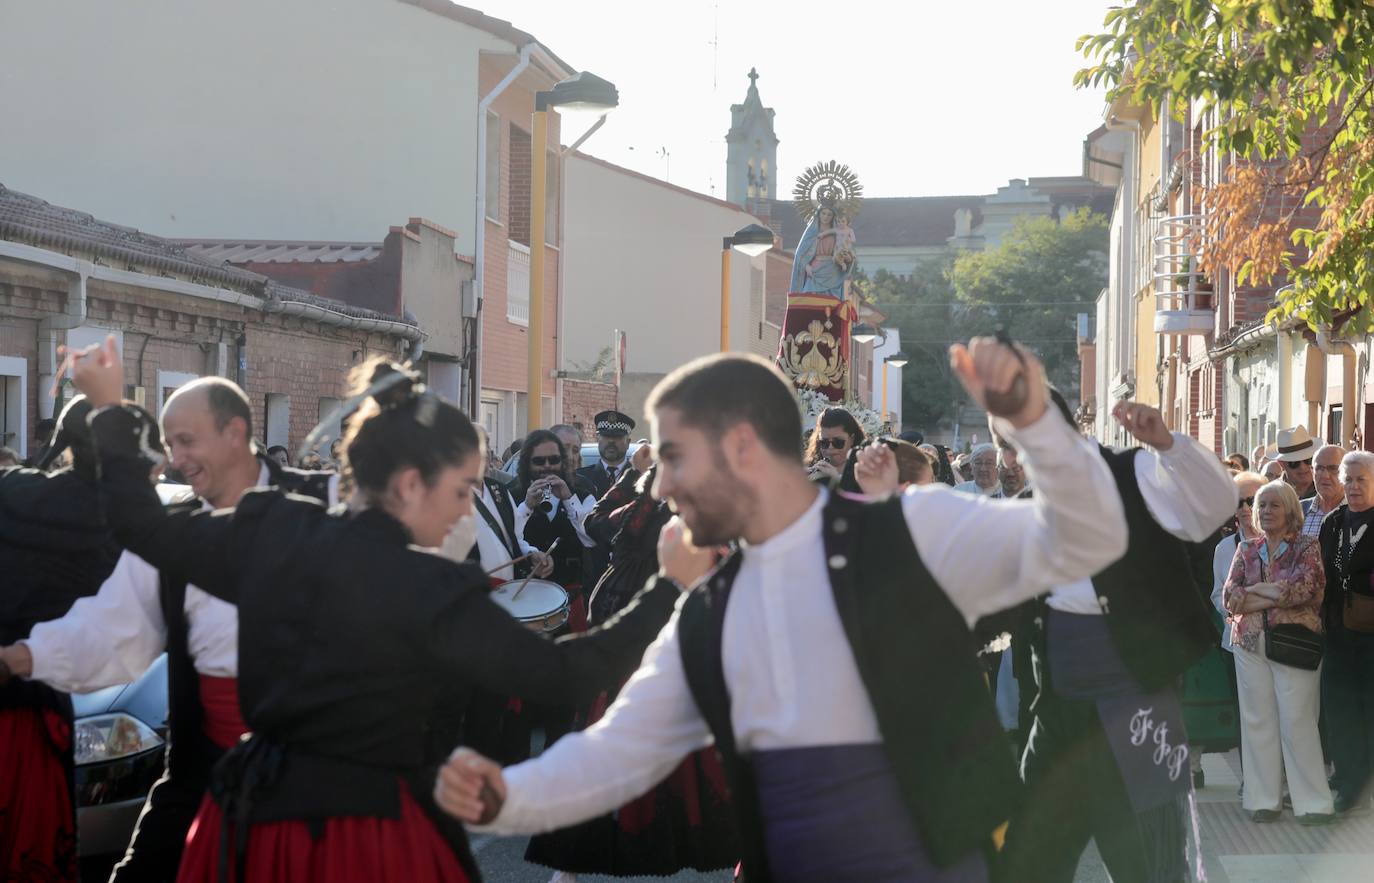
(501,548)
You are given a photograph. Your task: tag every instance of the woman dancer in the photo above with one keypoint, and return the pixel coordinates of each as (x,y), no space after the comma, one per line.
(346,636)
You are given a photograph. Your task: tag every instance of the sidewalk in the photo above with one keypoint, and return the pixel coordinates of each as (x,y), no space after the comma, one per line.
(1236,850)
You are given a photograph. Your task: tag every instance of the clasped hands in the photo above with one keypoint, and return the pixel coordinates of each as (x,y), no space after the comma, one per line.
(470,787)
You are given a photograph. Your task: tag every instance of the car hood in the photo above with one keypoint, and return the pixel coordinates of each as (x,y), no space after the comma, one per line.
(99,702)
(145,698)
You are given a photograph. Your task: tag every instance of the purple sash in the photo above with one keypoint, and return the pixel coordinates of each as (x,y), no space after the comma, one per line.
(1145,730)
(834,812)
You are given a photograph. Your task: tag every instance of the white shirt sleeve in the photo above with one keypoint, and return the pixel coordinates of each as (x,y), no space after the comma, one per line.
(578,510)
(988,555)
(105,639)
(1221,568)
(1186,488)
(646,732)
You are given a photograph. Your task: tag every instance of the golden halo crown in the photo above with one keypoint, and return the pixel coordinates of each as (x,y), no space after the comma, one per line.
(827,184)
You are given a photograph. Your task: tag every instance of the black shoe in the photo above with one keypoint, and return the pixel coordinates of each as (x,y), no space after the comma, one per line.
(1346,807)
(1199,779)
(1263,816)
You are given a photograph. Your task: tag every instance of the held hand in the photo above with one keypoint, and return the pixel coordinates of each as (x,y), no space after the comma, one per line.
(470,788)
(823,469)
(543,564)
(994,376)
(558,488)
(678,559)
(535,494)
(1145,423)
(96,371)
(875,468)
(16,661)
(643,458)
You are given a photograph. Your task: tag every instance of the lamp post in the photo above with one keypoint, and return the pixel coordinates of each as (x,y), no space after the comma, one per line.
(752,240)
(896,360)
(580,92)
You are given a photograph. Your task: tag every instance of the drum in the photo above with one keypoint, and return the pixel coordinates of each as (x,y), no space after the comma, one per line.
(542,605)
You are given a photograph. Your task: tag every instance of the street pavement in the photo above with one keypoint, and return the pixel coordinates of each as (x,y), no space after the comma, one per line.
(1234,849)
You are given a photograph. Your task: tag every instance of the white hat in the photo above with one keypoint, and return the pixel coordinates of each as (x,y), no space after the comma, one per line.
(1295,444)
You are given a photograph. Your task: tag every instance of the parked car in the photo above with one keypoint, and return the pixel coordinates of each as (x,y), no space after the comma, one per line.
(120,740)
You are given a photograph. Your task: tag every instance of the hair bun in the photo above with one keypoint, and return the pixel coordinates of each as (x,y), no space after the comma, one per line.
(393,385)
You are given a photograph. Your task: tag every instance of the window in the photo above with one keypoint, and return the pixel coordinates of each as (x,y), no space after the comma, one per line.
(444,379)
(277,427)
(518,284)
(493,170)
(14,375)
(168,382)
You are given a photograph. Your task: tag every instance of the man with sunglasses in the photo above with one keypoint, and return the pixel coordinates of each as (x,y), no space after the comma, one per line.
(1326,474)
(555,503)
(1295,450)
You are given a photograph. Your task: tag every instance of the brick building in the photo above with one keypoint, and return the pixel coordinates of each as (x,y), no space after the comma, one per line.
(67,278)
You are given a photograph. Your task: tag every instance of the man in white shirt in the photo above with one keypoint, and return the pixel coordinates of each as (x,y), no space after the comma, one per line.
(113,636)
(1107,757)
(793,679)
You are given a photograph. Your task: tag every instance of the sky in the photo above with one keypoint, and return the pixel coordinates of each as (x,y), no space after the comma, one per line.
(920,98)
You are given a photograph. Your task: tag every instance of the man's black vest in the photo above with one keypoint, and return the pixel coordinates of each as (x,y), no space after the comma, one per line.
(1160,622)
(190,753)
(917,660)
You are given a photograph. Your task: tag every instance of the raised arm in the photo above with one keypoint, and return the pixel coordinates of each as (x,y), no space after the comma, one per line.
(988,555)
(1185,487)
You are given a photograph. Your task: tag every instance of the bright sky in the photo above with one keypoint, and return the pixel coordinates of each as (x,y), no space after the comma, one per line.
(919,98)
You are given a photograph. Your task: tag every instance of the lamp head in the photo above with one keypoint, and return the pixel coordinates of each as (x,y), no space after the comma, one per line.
(863,333)
(752,240)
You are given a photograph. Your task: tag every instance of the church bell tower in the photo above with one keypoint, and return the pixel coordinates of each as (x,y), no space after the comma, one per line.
(752,155)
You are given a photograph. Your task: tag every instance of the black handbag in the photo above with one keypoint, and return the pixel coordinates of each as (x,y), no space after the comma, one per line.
(1291,644)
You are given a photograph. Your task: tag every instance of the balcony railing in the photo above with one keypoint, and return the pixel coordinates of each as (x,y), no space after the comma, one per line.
(1184,301)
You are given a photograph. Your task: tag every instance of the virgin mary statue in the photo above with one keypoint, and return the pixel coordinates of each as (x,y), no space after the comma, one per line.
(824,256)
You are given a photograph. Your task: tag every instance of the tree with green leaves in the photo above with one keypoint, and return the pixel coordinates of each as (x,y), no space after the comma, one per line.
(1285,89)
(1033,284)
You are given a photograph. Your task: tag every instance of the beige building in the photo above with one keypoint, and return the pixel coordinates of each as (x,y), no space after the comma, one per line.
(642,256)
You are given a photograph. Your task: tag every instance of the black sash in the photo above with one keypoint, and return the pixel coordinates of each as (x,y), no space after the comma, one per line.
(495,526)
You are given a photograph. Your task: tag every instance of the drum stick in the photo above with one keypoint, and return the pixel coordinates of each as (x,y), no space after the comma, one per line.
(526,580)
(509,563)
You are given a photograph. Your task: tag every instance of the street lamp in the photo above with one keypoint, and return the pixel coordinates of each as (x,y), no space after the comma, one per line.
(896,360)
(863,333)
(582,92)
(753,240)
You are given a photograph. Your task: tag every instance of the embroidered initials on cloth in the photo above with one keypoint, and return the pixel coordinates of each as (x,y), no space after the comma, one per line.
(1174,757)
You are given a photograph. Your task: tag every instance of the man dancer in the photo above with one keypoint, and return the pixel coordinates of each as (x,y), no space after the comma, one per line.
(112,637)
(842,764)
(1107,756)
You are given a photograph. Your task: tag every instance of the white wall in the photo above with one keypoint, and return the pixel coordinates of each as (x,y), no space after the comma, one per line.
(645,258)
(253,119)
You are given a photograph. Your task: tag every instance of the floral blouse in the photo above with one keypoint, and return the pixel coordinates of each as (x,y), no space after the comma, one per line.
(1299,573)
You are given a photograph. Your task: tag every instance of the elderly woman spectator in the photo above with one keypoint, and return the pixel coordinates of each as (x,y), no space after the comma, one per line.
(1348,667)
(1277,578)
(1248,485)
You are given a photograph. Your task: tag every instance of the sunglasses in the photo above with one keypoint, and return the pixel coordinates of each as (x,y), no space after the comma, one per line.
(836,443)
(1294,464)
(1246,501)
(546,461)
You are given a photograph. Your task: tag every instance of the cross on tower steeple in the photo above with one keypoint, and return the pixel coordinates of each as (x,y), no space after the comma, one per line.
(752,154)
(753,76)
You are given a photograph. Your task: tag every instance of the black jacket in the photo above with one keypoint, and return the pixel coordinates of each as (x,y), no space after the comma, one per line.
(346,637)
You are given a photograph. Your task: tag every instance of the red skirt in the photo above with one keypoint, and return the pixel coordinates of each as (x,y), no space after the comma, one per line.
(352,849)
(37,820)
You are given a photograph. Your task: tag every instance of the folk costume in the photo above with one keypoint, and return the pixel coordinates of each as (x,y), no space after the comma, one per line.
(796,658)
(55,547)
(346,636)
(113,637)
(1107,756)
(684,822)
